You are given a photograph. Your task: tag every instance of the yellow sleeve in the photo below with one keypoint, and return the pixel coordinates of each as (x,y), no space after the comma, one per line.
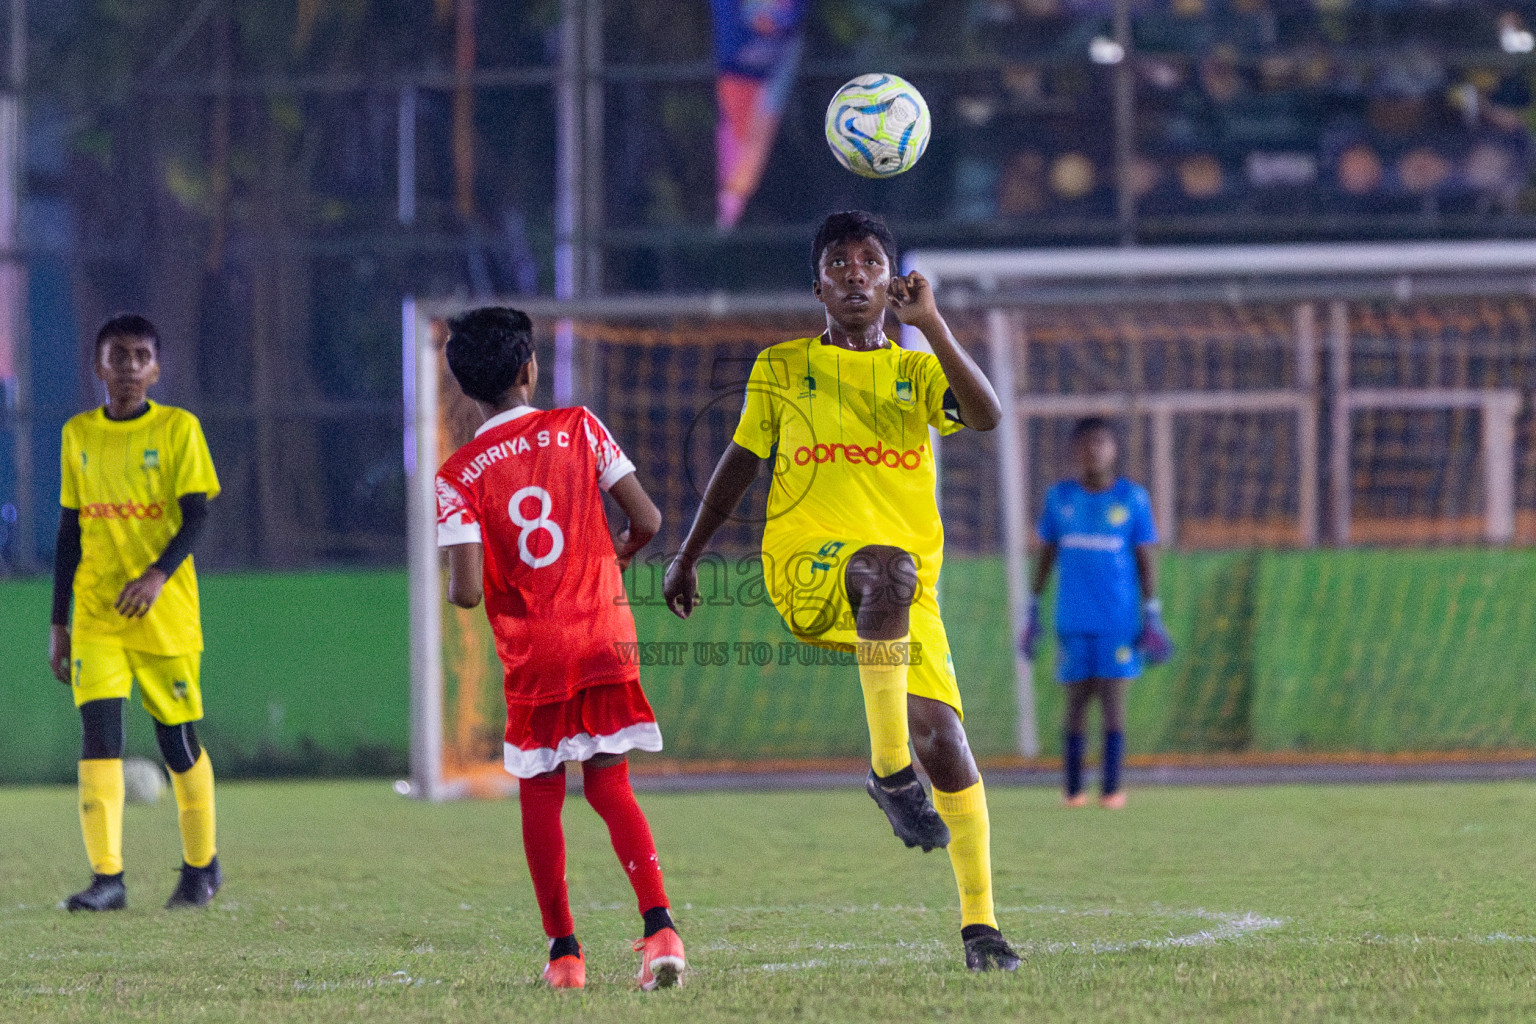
(758,429)
(69,468)
(194,462)
(938,402)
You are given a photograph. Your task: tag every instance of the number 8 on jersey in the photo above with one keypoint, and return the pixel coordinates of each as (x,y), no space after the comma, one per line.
(530,526)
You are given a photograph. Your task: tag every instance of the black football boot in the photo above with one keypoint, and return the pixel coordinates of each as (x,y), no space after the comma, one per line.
(905,803)
(196,886)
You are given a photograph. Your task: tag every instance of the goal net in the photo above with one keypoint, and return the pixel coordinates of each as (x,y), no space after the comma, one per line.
(1337,440)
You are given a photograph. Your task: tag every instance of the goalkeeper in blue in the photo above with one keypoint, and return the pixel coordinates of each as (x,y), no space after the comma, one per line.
(1099,529)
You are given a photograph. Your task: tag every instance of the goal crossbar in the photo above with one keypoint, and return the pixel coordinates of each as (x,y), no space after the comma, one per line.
(1174,262)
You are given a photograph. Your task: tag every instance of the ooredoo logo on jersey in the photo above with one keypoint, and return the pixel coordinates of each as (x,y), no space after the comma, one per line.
(122,510)
(876,455)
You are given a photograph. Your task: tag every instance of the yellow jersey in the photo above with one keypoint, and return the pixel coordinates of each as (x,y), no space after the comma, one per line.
(852,456)
(124,477)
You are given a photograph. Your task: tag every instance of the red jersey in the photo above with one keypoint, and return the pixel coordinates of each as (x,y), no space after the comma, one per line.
(527,490)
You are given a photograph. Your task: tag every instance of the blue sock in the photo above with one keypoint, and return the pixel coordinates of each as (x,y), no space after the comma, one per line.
(1072,761)
(1114,754)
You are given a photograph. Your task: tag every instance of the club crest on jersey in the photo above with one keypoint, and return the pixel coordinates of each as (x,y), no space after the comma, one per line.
(151,458)
(904,394)
(1117,515)
(810,387)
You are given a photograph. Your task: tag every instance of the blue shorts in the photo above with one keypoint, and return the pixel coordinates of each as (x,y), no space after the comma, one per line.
(1082,656)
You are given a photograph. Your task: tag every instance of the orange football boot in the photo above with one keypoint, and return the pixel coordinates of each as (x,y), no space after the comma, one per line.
(1076,800)
(1113,801)
(567,971)
(661,960)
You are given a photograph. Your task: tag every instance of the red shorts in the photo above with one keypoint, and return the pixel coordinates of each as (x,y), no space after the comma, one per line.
(610,718)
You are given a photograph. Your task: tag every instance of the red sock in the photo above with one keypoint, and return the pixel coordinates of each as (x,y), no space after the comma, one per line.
(544,845)
(611,797)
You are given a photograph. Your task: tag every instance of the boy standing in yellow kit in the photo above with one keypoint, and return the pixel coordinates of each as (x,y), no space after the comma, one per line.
(136,481)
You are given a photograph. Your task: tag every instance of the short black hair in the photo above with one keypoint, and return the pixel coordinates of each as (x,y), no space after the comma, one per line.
(487,349)
(1088,424)
(851,226)
(128,325)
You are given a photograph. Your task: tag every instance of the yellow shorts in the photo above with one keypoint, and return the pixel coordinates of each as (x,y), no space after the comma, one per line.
(168,684)
(808,587)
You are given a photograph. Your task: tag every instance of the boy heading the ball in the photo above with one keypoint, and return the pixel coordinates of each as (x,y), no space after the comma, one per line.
(520,510)
(136,479)
(853,543)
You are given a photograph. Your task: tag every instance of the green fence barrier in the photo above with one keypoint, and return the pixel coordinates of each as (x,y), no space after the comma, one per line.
(1371,651)
(304,673)
(1395,651)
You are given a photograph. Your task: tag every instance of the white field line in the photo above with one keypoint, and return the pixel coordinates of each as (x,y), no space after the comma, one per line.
(1226,927)
(397,979)
(804,965)
(1223,927)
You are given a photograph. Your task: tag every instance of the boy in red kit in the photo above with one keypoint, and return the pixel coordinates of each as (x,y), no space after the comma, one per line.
(520,511)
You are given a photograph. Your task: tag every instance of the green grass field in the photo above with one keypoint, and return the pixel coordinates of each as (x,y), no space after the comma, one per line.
(346,902)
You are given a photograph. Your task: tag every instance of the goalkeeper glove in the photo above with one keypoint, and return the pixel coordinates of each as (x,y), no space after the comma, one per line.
(1029,639)
(1154,642)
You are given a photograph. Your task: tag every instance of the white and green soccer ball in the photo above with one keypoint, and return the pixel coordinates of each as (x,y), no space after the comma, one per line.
(878,125)
(143,780)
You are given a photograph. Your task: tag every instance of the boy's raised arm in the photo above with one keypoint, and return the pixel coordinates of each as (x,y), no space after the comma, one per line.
(913,302)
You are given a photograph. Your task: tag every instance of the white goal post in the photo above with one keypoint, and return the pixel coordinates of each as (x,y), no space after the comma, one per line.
(1008,283)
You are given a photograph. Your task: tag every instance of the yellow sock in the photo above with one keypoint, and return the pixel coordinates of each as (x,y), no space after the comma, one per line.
(101,813)
(885,707)
(194,810)
(970,850)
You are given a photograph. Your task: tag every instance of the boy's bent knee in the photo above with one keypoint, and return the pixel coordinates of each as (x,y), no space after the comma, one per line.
(882,572)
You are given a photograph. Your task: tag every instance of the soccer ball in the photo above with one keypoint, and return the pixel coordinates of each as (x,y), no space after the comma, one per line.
(878,125)
(143,780)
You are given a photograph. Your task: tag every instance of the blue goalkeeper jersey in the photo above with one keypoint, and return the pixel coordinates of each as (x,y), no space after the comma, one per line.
(1096,535)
